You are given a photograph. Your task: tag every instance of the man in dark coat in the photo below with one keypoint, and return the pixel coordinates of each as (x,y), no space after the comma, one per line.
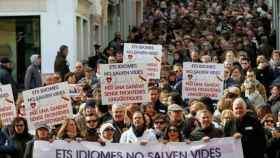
(61,65)
(247,126)
(6,75)
(33,77)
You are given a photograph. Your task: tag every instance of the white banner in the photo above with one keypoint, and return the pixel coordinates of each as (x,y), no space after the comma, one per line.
(7,104)
(47,105)
(144,53)
(216,148)
(75,90)
(201,79)
(123,83)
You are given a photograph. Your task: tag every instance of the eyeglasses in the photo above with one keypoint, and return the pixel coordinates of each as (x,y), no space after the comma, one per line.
(19,125)
(89,121)
(109,129)
(267,121)
(159,122)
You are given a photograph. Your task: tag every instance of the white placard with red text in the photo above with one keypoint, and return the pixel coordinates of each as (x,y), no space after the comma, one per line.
(144,53)
(202,79)
(75,90)
(7,104)
(48,105)
(123,83)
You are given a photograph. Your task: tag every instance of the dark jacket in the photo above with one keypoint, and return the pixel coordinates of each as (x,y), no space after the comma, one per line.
(29,149)
(274,104)
(91,135)
(119,129)
(61,66)
(107,117)
(5,146)
(211,132)
(160,108)
(252,132)
(6,78)
(32,77)
(20,141)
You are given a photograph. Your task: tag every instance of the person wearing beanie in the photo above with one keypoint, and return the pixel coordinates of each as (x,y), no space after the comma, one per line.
(33,77)
(106,132)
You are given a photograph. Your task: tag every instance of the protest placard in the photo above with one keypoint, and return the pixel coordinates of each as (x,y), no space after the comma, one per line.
(75,90)
(7,104)
(144,53)
(201,79)
(47,105)
(123,83)
(216,148)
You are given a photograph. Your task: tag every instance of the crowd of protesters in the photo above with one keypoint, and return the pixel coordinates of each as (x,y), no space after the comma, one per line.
(236,33)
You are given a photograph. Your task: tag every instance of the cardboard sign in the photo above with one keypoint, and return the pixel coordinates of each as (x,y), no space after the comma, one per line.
(75,90)
(7,104)
(48,105)
(201,79)
(123,83)
(147,54)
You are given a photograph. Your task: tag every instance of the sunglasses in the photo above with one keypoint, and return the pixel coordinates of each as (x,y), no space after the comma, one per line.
(109,129)
(271,121)
(89,121)
(19,125)
(159,122)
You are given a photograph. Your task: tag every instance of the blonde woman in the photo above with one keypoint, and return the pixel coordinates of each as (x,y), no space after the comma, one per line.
(70,131)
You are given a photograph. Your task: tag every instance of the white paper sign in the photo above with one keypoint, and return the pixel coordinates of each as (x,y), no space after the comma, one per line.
(123,83)
(147,54)
(7,104)
(48,105)
(201,79)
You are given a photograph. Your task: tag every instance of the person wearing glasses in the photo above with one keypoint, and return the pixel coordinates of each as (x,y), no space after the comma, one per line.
(91,133)
(160,125)
(107,132)
(20,136)
(172,135)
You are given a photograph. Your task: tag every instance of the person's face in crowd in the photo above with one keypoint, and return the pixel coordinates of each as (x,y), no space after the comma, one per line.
(245,64)
(43,133)
(269,123)
(275,56)
(249,89)
(91,121)
(163,98)
(176,116)
(19,127)
(39,61)
(118,114)
(108,133)
(226,74)
(138,120)
(275,91)
(71,127)
(230,56)
(90,111)
(72,79)
(251,76)
(226,118)
(154,95)
(228,65)
(119,57)
(172,78)
(65,52)
(88,74)
(160,125)
(194,56)
(173,134)
(57,78)
(239,109)
(49,80)
(215,59)
(205,120)
(131,108)
(79,68)
(178,70)
(176,56)
(236,75)
(149,110)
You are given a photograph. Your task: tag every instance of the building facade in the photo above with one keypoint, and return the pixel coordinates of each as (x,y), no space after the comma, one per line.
(41,26)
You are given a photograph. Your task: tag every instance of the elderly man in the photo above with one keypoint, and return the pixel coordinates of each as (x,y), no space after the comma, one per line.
(206,130)
(247,126)
(118,113)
